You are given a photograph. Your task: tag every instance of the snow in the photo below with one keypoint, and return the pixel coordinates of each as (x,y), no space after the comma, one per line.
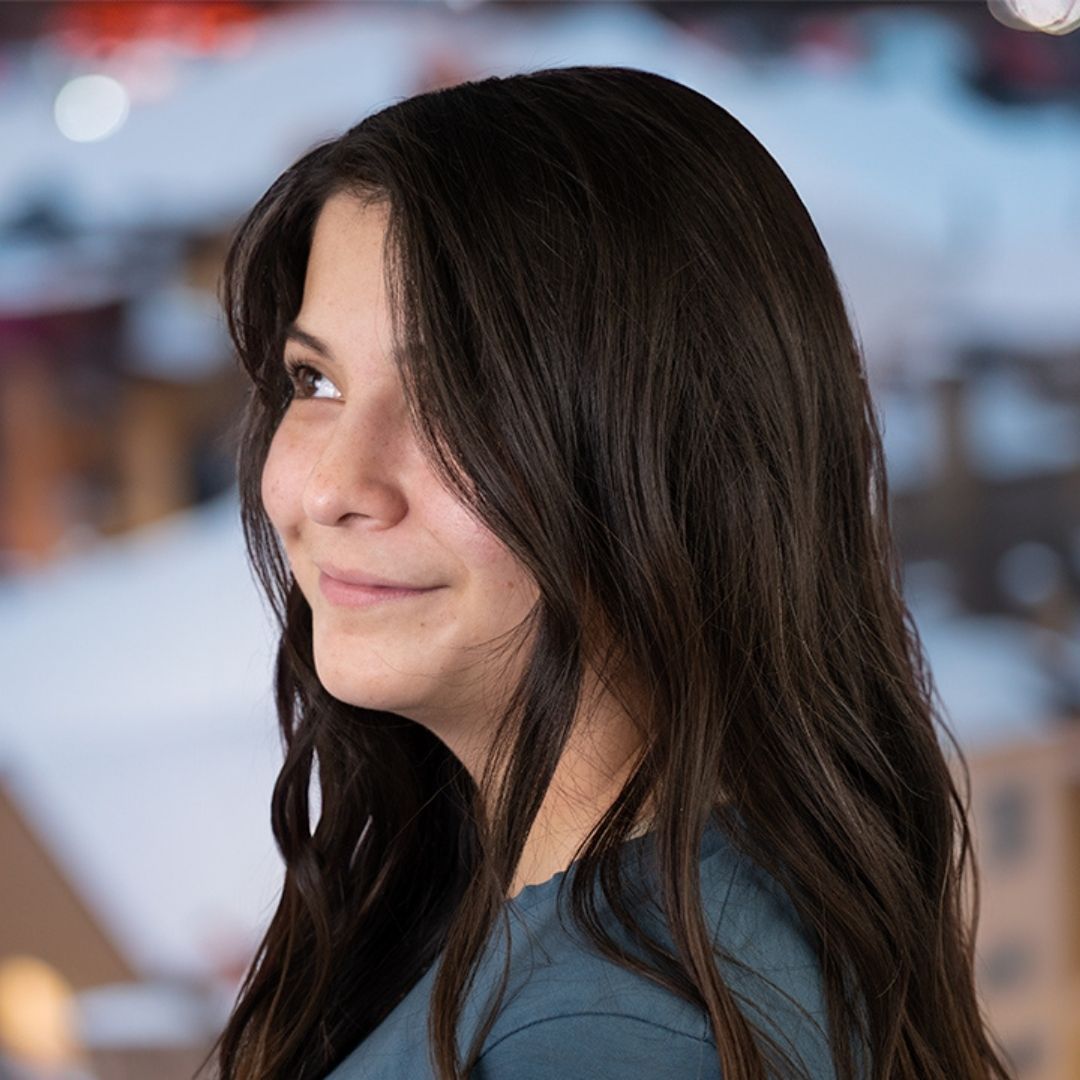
(927,196)
(140,736)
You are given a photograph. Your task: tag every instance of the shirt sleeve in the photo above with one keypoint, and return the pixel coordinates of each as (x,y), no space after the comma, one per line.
(598,1046)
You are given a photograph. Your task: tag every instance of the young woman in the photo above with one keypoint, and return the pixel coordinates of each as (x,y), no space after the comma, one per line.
(563,477)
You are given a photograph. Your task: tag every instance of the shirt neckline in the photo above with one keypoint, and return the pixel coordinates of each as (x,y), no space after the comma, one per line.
(539,891)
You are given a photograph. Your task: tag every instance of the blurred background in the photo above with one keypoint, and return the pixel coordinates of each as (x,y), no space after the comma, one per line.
(938,151)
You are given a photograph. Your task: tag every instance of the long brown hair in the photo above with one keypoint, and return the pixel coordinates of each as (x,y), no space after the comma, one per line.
(627,352)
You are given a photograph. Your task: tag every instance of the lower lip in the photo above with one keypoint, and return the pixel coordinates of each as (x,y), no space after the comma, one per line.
(341,592)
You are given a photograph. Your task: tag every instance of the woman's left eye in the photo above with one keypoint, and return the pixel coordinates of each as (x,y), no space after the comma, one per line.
(299,374)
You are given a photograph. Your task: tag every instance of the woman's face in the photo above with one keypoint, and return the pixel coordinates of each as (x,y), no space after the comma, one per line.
(345,484)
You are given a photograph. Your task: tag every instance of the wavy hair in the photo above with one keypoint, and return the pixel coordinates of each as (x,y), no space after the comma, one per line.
(626,350)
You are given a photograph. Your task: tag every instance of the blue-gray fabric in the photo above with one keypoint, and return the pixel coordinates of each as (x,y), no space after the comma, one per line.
(570,1013)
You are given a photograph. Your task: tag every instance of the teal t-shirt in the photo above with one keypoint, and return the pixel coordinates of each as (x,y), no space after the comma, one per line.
(570,1013)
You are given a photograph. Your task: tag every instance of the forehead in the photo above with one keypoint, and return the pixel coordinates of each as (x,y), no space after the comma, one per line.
(343,282)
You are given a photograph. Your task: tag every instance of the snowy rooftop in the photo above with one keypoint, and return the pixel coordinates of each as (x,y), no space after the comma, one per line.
(947,218)
(140,735)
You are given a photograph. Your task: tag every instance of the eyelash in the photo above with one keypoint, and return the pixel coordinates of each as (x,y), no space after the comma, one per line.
(294,369)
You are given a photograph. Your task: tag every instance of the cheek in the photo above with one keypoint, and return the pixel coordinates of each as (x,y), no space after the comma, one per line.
(471,539)
(486,556)
(280,483)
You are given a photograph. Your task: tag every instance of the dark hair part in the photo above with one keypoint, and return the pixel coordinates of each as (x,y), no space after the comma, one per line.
(627,352)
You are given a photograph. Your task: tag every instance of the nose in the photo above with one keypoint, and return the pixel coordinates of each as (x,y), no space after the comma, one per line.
(353,475)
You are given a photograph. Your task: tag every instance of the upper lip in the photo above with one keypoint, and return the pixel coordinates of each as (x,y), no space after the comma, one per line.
(355,577)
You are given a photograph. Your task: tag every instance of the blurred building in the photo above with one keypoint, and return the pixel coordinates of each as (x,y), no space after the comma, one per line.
(109,1020)
(117,387)
(1026,818)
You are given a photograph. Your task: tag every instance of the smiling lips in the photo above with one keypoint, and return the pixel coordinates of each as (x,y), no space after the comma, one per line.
(351,594)
(356,577)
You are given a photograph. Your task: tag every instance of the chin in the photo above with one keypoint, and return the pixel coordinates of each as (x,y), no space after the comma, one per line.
(351,688)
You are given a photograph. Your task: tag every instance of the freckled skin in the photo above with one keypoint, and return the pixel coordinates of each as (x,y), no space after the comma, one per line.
(346,482)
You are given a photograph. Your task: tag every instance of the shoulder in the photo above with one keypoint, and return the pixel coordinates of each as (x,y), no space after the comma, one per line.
(572,1006)
(596,1045)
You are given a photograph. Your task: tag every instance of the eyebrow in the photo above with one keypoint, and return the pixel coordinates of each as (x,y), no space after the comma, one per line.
(295,332)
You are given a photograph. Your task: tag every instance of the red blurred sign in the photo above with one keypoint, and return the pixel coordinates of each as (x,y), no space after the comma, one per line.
(99,27)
